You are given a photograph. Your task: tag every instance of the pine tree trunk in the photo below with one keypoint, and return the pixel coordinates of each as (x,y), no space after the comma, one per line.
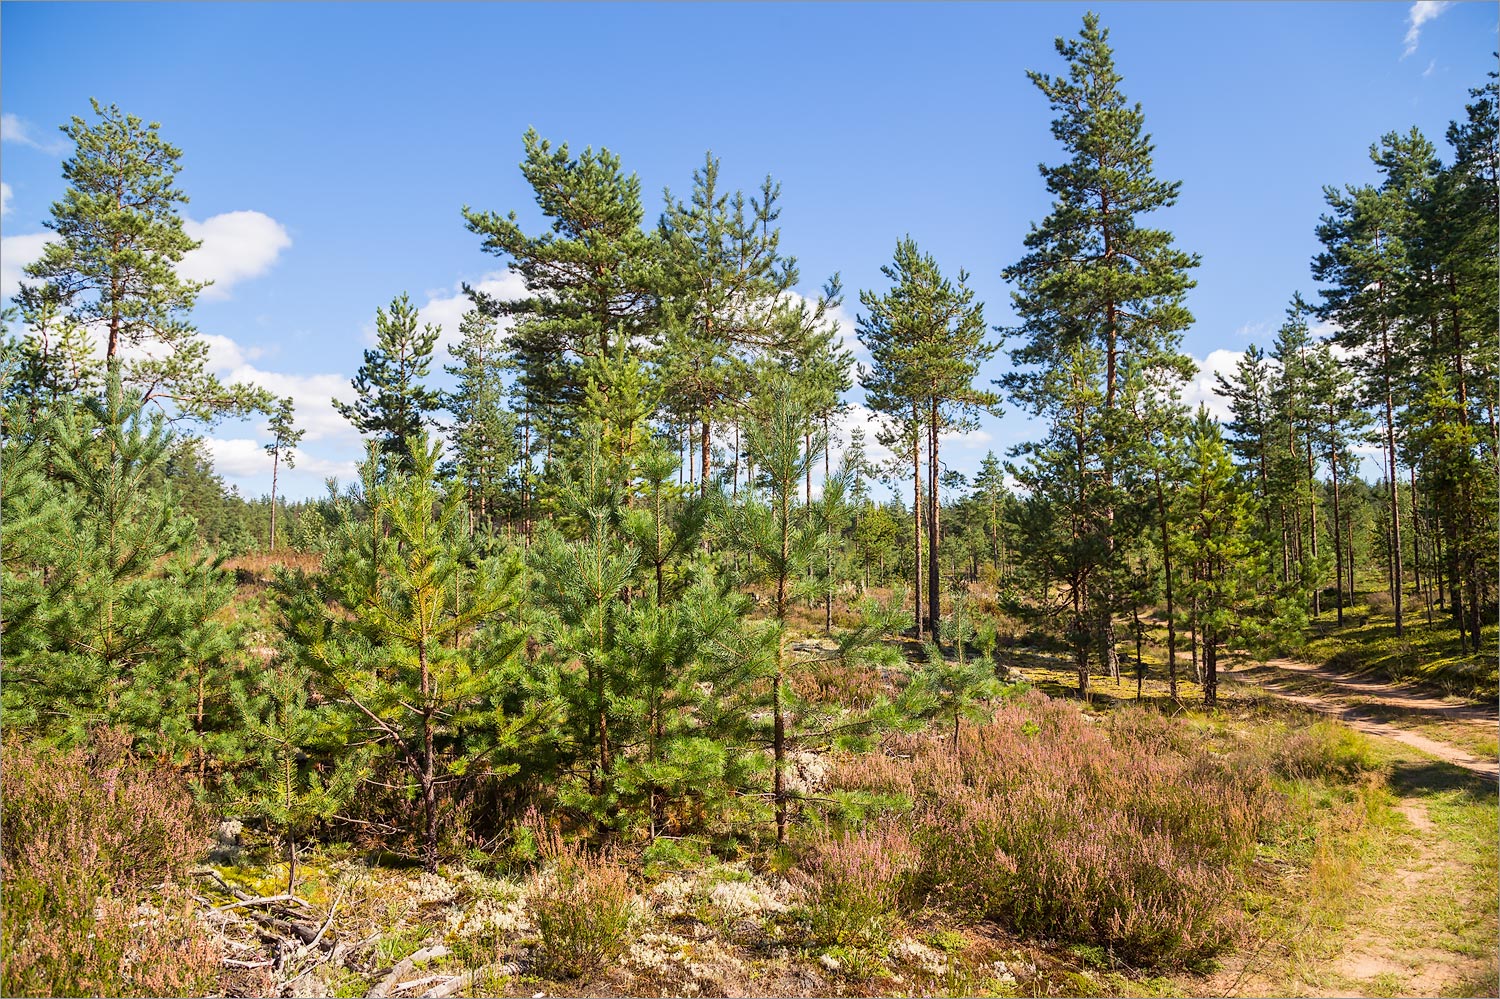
(1210,668)
(703,465)
(1338,551)
(1166,560)
(934,576)
(1349,537)
(916,515)
(428,775)
(1312,520)
(1390,443)
(275,463)
(778,749)
(1140,662)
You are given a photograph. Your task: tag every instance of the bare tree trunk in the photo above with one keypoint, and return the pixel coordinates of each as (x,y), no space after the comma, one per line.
(429,775)
(916,516)
(1338,551)
(275,464)
(703,466)
(1166,559)
(934,510)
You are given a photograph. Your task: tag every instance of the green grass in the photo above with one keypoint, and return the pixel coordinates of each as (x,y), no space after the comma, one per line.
(1426,653)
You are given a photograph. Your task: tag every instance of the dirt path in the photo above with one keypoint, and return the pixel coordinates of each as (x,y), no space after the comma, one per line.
(1384,709)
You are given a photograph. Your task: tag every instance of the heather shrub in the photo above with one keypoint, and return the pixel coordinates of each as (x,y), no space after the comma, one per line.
(93,840)
(1061,826)
(582,906)
(854,883)
(1325,749)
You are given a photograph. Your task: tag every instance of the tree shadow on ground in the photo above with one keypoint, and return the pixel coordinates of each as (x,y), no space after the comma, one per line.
(1431,777)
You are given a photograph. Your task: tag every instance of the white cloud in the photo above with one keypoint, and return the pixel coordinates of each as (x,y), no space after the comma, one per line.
(312,395)
(236,246)
(244,458)
(1430,67)
(446,308)
(4,198)
(17,130)
(238,456)
(1202,388)
(858,415)
(1417,15)
(966,438)
(15,253)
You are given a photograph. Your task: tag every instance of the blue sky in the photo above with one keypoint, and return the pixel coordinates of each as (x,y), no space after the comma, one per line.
(328,149)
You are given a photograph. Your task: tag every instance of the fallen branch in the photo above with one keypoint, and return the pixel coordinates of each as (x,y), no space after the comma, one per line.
(455,985)
(332,909)
(417,983)
(384,989)
(265,900)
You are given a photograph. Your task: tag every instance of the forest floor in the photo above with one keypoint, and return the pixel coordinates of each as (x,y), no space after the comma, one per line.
(1406,905)
(1420,918)
(1454,730)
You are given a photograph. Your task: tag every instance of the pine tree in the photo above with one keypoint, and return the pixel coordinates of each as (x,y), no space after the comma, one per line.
(299,772)
(820,366)
(1064,523)
(584,564)
(283,447)
(1366,267)
(414,636)
(483,431)
(782,539)
(113,265)
(53,360)
(1093,275)
(109,613)
(989,490)
(1215,541)
(834,515)
(391,402)
(1340,424)
(926,340)
(953,690)
(726,303)
(592,280)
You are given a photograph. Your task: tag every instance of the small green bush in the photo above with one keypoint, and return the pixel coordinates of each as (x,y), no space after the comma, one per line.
(1326,749)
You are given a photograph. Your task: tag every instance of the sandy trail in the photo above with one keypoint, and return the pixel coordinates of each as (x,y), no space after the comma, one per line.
(1398,701)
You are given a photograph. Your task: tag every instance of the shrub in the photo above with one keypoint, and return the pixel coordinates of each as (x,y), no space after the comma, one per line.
(90,838)
(1124,835)
(1325,749)
(855,883)
(582,905)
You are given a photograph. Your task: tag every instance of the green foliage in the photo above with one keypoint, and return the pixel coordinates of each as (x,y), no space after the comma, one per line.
(391,402)
(726,281)
(112,611)
(416,639)
(926,337)
(483,432)
(114,266)
(283,784)
(283,447)
(957,689)
(592,278)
